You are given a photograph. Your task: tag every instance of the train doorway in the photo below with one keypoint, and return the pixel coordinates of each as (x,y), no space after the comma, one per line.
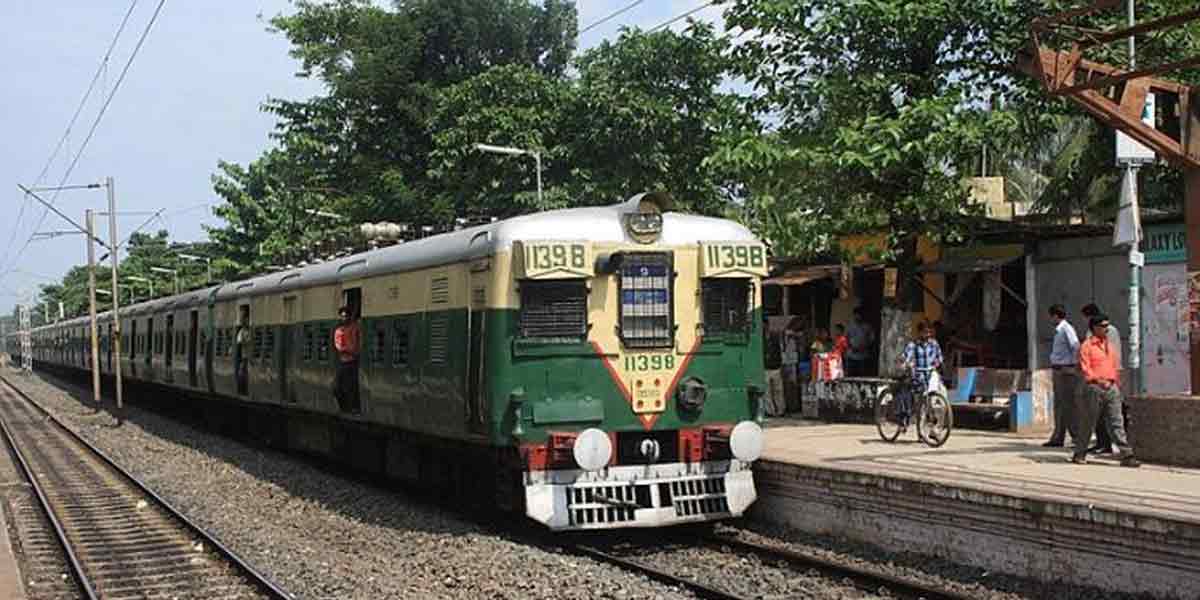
(192,345)
(286,343)
(169,350)
(241,341)
(347,376)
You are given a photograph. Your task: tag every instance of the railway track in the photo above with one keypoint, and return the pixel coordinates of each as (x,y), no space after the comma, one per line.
(864,579)
(120,540)
(867,581)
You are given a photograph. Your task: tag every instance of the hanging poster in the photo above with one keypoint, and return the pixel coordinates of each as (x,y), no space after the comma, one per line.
(1194,304)
(890,275)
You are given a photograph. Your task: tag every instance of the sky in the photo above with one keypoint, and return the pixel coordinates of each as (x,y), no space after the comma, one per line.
(191,97)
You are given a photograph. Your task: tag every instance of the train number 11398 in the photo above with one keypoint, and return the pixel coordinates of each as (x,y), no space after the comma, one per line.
(720,257)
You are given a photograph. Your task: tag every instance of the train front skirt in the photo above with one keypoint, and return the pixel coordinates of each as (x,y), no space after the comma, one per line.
(640,495)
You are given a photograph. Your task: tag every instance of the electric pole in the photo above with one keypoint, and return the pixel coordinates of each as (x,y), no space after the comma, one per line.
(91,255)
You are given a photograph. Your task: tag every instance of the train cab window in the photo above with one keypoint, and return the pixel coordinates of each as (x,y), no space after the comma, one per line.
(726,305)
(646,284)
(554,311)
(400,343)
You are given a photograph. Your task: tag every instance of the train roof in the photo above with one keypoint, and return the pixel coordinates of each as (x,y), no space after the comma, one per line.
(601,224)
(596,224)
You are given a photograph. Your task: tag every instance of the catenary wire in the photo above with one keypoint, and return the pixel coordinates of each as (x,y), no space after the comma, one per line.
(91,132)
(609,17)
(71,123)
(685,15)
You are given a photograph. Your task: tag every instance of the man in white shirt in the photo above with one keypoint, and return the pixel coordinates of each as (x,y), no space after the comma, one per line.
(1064,360)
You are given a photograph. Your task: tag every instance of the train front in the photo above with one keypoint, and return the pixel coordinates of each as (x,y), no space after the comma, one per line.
(636,382)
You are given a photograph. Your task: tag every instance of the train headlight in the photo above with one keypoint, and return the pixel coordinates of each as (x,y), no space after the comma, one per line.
(592,450)
(746,441)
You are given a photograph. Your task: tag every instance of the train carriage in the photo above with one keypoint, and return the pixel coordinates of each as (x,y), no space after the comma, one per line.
(592,367)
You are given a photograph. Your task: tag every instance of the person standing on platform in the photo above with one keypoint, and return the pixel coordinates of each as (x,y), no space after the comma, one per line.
(1103,441)
(861,337)
(1098,361)
(347,343)
(1064,354)
(841,343)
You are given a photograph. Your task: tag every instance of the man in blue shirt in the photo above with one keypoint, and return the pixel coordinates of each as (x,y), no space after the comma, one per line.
(1064,360)
(922,357)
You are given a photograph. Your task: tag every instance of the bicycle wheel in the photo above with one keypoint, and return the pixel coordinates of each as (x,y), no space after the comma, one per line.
(885,415)
(935,419)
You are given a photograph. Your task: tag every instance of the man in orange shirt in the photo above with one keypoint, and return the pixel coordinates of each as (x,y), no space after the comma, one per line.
(347,343)
(1098,361)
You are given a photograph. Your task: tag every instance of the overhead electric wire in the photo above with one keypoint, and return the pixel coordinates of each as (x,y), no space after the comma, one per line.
(95,124)
(71,124)
(685,15)
(609,17)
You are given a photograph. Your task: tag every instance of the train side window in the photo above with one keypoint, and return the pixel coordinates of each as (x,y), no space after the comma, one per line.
(308,343)
(268,343)
(256,351)
(725,305)
(379,347)
(400,343)
(553,311)
(323,343)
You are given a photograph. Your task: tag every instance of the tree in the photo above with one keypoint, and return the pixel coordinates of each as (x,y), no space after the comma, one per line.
(879,107)
(643,114)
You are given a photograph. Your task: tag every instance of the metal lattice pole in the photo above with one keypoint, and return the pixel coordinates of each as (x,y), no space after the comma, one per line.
(26,340)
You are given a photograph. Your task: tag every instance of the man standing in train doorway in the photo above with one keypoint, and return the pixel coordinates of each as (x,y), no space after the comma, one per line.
(346,342)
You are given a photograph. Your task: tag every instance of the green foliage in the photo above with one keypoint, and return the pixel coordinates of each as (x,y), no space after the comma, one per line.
(878,109)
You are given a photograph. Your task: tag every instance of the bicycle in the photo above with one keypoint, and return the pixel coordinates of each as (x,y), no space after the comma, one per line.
(930,410)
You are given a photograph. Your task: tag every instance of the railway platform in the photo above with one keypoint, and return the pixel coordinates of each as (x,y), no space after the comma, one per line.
(991,500)
(11,586)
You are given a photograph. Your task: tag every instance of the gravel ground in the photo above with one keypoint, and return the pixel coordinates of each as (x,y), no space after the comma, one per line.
(321,536)
(972,581)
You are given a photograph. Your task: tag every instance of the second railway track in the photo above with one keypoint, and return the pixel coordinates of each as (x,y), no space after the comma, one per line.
(120,539)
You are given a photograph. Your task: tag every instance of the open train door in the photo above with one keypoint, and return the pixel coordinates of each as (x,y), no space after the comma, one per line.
(478,276)
(193,345)
(287,341)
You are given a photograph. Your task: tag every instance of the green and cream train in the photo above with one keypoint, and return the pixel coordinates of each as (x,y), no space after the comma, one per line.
(591,367)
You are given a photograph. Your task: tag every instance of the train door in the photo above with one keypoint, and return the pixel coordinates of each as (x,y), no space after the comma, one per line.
(209,346)
(476,330)
(192,345)
(149,347)
(241,346)
(287,335)
(347,375)
(108,347)
(133,347)
(169,350)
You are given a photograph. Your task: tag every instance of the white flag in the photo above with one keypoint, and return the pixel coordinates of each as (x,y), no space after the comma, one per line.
(1129,222)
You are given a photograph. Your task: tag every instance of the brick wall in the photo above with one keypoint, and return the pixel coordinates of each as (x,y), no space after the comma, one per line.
(1165,429)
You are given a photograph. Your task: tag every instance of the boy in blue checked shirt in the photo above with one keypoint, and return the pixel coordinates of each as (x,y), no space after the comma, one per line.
(922,357)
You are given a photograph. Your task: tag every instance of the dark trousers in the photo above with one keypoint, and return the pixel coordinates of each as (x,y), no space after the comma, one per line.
(345,386)
(1066,396)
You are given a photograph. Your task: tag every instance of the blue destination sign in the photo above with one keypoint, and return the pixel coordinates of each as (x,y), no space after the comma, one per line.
(1165,243)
